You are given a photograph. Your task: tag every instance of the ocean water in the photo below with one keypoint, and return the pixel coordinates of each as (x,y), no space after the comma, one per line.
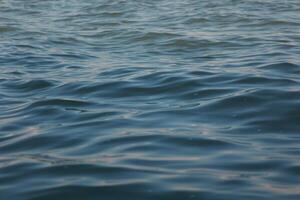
(142,100)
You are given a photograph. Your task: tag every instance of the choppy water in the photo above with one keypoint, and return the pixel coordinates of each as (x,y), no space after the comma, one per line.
(138,100)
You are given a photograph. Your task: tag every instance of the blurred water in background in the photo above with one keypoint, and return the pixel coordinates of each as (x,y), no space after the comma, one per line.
(157,99)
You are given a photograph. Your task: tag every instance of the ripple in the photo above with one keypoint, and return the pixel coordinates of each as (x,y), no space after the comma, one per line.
(283,68)
(30,85)
(59,102)
(4,29)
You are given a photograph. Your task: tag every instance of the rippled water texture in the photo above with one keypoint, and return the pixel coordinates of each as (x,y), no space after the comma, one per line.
(142,100)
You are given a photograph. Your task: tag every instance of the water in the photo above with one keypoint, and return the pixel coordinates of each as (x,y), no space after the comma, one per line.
(139,100)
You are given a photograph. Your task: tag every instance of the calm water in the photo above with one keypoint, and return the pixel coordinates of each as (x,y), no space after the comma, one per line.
(142,100)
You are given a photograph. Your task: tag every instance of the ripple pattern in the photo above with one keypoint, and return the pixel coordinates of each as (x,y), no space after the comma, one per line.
(149,100)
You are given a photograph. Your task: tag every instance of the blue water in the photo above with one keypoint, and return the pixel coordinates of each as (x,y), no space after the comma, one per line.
(144,100)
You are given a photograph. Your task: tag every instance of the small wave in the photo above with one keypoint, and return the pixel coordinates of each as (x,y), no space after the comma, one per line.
(30,85)
(283,67)
(60,102)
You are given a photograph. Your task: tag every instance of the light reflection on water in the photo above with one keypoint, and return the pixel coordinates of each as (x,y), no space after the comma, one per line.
(149,100)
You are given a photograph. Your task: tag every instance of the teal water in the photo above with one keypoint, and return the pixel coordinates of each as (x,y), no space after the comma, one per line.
(142,100)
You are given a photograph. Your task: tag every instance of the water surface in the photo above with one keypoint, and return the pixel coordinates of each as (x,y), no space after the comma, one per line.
(138,100)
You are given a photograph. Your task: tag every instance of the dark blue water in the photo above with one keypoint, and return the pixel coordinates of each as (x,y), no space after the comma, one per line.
(142,100)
